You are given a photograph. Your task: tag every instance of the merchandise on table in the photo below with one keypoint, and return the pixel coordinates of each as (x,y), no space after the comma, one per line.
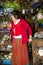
(6,62)
(6,58)
(38,34)
(37,49)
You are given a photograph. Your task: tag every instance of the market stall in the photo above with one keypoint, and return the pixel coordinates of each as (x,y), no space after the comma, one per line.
(37,48)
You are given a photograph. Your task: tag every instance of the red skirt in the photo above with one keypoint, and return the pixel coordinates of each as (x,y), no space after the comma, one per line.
(20,54)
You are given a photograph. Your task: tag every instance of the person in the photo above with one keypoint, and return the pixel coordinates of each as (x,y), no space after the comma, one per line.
(20,34)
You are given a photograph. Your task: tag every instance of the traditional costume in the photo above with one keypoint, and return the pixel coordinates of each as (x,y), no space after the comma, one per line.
(19,38)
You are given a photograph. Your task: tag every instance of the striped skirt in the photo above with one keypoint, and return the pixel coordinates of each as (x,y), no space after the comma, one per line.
(20,54)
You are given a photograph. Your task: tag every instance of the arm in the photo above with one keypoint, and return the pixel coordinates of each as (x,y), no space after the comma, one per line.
(29,30)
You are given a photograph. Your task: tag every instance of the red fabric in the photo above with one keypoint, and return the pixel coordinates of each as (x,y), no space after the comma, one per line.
(21,28)
(17,28)
(20,54)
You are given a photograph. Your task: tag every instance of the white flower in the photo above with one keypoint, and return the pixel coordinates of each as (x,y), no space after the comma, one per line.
(39,16)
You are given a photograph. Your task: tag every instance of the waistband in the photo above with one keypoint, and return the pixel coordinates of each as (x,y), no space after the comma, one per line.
(17,37)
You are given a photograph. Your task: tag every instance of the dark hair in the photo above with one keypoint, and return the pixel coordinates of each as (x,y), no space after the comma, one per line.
(17,14)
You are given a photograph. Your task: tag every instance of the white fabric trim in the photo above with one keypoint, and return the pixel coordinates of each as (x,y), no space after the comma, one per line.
(17,21)
(19,36)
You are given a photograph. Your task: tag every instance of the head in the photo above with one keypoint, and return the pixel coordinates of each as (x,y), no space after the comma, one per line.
(15,15)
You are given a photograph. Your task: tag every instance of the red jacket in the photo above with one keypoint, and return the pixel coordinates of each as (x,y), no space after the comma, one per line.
(22,28)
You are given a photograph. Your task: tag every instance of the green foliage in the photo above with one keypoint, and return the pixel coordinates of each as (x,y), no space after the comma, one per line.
(40,21)
(0,56)
(40,11)
(13,5)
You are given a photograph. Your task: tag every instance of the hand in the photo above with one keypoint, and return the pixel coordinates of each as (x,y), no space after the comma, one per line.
(30,40)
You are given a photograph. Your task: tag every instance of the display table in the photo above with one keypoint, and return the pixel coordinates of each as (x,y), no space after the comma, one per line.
(37,51)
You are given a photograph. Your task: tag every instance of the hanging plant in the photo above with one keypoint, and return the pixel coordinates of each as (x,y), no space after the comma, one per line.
(11,5)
